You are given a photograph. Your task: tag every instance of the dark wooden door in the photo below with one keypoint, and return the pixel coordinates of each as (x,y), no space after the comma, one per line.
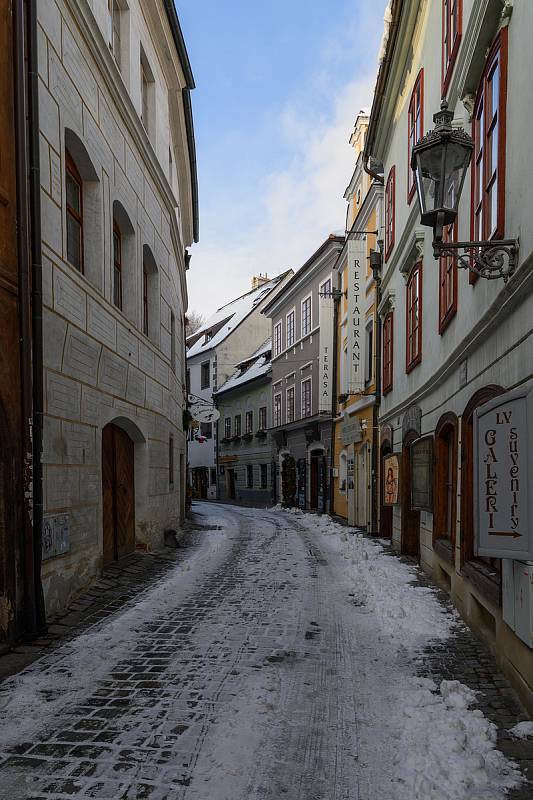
(231,480)
(118,493)
(410,518)
(313,494)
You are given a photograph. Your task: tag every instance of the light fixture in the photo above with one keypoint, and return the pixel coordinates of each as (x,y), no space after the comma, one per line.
(440,161)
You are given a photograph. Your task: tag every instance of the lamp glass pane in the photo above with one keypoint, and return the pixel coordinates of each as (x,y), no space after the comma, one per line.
(457,159)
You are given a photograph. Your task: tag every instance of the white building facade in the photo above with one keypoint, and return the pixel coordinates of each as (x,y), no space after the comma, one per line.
(451,340)
(119,209)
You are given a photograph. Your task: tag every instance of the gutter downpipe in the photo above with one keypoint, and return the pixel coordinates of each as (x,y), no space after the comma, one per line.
(336,304)
(37,304)
(375,419)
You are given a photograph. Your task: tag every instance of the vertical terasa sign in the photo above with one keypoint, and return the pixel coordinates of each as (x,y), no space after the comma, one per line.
(503,468)
(325,365)
(356,317)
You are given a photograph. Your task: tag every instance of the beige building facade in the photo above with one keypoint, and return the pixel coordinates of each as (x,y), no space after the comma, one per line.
(118,209)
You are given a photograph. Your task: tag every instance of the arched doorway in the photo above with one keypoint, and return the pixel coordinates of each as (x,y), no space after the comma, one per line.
(410,544)
(385,527)
(118,493)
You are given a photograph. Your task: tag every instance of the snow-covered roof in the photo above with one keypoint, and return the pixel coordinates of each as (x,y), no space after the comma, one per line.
(228,317)
(259,364)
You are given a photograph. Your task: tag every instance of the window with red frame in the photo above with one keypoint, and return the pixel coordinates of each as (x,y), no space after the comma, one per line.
(488,171)
(390,210)
(415,128)
(388,324)
(414,318)
(145,301)
(452,20)
(447,281)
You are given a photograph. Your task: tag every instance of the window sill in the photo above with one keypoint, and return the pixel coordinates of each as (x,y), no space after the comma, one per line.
(484,579)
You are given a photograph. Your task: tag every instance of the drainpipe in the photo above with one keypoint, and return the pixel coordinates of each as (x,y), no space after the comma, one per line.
(336,298)
(375,263)
(37,305)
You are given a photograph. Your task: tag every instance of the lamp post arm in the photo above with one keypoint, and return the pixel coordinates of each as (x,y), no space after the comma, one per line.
(489,259)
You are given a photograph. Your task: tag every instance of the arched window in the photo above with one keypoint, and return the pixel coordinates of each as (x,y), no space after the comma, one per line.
(124,260)
(445,493)
(150,296)
(485,573)
(83,245)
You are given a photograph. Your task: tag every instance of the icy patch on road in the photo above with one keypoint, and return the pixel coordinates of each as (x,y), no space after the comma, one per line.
(61,680)
(443,748)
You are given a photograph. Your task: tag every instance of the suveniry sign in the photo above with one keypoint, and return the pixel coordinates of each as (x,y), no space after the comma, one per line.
(503,468)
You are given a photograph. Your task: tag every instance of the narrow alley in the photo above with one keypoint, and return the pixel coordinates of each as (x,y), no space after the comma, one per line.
(285,657)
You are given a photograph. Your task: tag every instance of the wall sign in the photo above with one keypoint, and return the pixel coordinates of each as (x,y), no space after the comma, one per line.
(56,536)
(356,317)
(422,474)
(391,480)
(503,469)
(351,430)
(326,355)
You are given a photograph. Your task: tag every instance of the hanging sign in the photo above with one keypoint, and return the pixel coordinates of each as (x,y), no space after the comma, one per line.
(391,480)
(326,355)
(503,469)
(356,315)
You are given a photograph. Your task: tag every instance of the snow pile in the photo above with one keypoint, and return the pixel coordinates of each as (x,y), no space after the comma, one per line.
(451,748)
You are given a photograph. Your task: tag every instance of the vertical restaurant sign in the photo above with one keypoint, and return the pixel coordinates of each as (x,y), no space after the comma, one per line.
(325,365)
(503,468)
(356,271)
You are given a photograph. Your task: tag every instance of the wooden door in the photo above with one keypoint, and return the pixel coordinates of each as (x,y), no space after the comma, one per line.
(313,494)
(118,494)
(231,482)
(410,518)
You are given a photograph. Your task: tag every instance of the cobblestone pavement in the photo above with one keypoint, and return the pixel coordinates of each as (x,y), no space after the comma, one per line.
(166,714)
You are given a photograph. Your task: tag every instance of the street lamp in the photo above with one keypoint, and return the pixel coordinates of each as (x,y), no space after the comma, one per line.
(440,161)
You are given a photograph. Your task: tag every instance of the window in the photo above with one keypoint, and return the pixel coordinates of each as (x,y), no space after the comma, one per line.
(306,316)
(117,267)
(369,347)
(388,332)
(188,381)
(289,410)
(488,172)
(74,192)
(206,430)
(390,210)
(452,13)
(264,476)
(145,300)
(262,418)
(172,342)
(114,32)
(249,422)
(415,128)
(290,328)
(326,287)
(205,375)
(277,339)
(447,282)
(414,318)
(446,483)
(227,428)
(145,81)
(237,425)
(277,410)
(171,462)
(306,398)
(249,476)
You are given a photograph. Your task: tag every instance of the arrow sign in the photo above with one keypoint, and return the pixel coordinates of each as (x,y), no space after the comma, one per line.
(505,533)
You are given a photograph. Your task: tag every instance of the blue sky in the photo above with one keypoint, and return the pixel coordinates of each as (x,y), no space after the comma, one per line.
(279,85)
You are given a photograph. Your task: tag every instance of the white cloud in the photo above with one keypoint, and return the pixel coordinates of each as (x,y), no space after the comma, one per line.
(297,207)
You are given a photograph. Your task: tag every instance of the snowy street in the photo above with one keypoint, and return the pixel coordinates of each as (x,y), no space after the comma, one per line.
(280,660)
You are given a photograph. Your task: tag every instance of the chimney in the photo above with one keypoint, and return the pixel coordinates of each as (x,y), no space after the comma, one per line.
(259,280)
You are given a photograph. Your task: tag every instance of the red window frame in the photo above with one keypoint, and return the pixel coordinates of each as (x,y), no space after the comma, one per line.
(145,300)
(415,128)
(452,31)
(388,344)
(117,266)
(413,307)
(447,282)
(75,214)
(489,134)
(390,212)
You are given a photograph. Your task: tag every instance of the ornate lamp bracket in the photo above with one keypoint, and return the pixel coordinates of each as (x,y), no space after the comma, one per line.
(491,260)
